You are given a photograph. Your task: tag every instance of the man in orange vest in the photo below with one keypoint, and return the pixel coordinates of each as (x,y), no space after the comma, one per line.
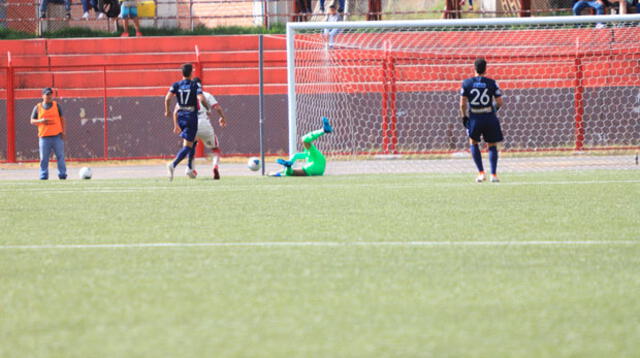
(47,115)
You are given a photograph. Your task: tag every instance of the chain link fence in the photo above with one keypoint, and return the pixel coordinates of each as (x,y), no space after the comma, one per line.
(25,16)
(116,119)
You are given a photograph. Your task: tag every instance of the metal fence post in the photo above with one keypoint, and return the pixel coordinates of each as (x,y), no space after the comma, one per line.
(261,98)
(106,114)
(11,117)
(199,72)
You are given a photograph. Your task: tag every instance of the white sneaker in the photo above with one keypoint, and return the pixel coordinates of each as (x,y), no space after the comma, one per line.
(601,26)
(480,178)
(494,178)
(85,16)
(191,173)
(170,169)
(101,16)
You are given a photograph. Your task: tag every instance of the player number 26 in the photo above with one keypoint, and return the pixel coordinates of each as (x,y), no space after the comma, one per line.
(480,98)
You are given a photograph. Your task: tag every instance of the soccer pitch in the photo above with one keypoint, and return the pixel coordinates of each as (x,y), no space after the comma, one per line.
(431,265)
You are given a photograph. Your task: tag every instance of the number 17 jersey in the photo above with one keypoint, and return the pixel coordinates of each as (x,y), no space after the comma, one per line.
(187,92)
(480,91)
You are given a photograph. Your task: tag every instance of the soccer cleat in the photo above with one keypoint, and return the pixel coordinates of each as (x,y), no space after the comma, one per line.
(326,126)
(275,174)
(138,33)
(216,174)
(191,173)
(494,178)
(170,170)
(481,177)
(124,34)
(101,16)
(285,163)
(85,16)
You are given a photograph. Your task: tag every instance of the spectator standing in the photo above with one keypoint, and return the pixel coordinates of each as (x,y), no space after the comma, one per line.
(129,10)
(597,5)
(45,3)
(88,5)
(47,115)
(332,16)
(303,10)
(340,5)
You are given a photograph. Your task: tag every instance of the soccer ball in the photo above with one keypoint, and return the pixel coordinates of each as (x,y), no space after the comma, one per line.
(253,163)
(85,173)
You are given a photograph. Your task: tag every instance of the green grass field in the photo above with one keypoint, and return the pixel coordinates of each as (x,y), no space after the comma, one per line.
(540,265)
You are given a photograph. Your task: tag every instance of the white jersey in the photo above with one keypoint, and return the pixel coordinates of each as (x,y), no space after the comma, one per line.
(205,129)
(202,113)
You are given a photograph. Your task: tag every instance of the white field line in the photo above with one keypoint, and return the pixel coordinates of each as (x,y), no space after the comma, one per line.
(294,186)
(272,244)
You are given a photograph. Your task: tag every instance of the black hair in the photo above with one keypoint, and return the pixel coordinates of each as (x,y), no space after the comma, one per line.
(481,65)
(187,68)
(197,80)
(332,7)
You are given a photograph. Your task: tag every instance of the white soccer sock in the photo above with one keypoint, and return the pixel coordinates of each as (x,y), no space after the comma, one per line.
(216,157)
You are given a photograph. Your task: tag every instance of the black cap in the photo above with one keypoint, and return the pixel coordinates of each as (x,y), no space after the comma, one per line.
(47,90)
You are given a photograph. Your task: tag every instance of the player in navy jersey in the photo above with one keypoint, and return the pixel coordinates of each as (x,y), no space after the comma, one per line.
(189,95)
(482,97)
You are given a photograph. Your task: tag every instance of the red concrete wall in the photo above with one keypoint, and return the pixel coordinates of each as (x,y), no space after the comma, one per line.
(142,66)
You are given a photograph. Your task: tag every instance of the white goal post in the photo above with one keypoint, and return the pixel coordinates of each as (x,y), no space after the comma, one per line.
(391,88)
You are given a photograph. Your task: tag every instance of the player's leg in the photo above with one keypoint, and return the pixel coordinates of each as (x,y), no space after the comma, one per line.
(190,171)
(312,136)
(136,22)
(476,154)
(493,159)
(124,16)
(215,160)
(208,137)
(188,122)
(316,161)
(473,131)
(288,164)
(45,152)
(58,149)
(493,136)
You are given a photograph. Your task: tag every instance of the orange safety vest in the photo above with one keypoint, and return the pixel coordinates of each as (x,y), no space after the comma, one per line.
(53,126)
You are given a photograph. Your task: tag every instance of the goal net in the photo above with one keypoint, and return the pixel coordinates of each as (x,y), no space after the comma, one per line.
(391,89)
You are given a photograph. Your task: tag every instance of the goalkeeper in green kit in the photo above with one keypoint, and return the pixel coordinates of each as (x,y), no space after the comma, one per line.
(316,162)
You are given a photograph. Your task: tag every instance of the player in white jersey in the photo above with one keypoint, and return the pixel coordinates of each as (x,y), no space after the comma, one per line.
(206,134)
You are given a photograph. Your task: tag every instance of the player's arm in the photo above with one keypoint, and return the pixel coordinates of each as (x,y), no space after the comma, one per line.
(499,103)
(464,104)
(203,101)
(61,121)
(176,128)
(34,117)
(497,97)
(223,119)
(167,103)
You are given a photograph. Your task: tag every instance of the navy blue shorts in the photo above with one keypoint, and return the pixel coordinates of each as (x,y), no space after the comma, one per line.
(486,126)
(188,122)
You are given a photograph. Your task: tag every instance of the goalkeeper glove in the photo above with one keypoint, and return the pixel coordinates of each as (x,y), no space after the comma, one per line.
(465,121)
